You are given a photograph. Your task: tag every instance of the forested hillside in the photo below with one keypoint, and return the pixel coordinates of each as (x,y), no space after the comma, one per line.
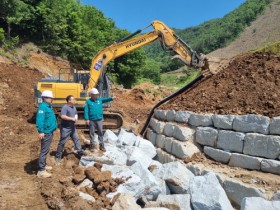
(212,34)
(68,29)
(72,30)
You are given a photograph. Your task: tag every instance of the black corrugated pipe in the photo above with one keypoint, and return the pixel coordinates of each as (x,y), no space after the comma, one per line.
(183,89)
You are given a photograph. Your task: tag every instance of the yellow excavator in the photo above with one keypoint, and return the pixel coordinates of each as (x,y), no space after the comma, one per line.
(79,83)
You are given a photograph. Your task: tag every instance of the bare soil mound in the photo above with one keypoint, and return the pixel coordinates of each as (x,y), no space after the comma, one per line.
(16,94)
(249,85)
(47,64)
(134,105)
(61,190)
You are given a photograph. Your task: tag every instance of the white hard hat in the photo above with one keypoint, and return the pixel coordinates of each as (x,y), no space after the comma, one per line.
(47,93)
(94,91)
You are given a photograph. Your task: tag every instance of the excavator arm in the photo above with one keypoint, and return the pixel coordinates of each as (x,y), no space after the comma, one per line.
(162,33)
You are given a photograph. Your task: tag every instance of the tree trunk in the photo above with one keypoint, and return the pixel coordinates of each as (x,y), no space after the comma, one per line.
(9,30)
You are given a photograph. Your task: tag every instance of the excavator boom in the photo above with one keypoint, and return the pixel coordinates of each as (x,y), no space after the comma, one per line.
(160,32)
(98,79)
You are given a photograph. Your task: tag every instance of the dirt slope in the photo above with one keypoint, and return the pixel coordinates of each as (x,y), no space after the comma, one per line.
(264,30)
(250,84)
(19,186)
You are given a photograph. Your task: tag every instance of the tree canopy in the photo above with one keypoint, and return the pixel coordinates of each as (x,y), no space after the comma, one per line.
(212,34)
(75,31)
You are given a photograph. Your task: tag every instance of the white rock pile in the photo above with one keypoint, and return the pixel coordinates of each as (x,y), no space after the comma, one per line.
(171,185)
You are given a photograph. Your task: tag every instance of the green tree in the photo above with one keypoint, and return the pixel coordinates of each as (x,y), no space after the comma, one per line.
(151,70)
(14,12)
(128,67)
(212,34)
(2,35)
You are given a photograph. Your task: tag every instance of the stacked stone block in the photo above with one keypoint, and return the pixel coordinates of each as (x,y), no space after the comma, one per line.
(247,141)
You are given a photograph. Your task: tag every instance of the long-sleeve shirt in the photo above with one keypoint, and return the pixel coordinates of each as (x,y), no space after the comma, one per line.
(93,108)
(45,119)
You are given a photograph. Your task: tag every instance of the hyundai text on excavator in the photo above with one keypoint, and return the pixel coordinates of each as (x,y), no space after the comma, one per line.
(82,82)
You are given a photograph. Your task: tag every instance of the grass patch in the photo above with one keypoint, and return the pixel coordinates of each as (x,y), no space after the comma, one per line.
(274,48)
(176,81)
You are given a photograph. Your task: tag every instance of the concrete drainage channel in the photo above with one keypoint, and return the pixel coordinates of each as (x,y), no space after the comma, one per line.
(157,173)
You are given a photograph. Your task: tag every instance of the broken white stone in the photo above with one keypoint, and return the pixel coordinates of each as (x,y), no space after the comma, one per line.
(245,161)
(135,154)
(255,203)
(196,169)
(146,146)
(170,116)
(221,178)
(251,123)
(274,127)
(237,190)
(262,145)
(112,156)
(183,200)
(155,165)
(151,183)
(86,183)
(206,136)
(133,185)
(200,120)
(168,129)
(218,155)
(271,166)
(176,176)
(118,171)
(183,133)
(182,116)
(276,196)
(127,138)
(110,136)
(223,121)
(232,141)
(184,150)
(87,197)
(126,201)
(164,157)
(207,193)
(87,161)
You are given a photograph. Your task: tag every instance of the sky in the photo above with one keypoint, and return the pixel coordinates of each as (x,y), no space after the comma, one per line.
(180,14)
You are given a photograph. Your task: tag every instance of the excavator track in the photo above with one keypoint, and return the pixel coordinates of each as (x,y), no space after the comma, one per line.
(112,120)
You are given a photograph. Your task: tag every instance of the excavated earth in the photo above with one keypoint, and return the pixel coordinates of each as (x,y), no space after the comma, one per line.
(249,85)
(19,186)
(251,82)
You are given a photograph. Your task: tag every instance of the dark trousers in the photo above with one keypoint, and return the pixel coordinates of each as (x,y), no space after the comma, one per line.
(96,124)
(45,147)
(65,133)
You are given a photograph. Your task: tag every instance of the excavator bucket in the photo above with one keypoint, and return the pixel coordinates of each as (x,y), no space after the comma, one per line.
(214,64)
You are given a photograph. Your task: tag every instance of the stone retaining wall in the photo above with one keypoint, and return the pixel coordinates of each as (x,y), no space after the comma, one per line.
(247,141)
